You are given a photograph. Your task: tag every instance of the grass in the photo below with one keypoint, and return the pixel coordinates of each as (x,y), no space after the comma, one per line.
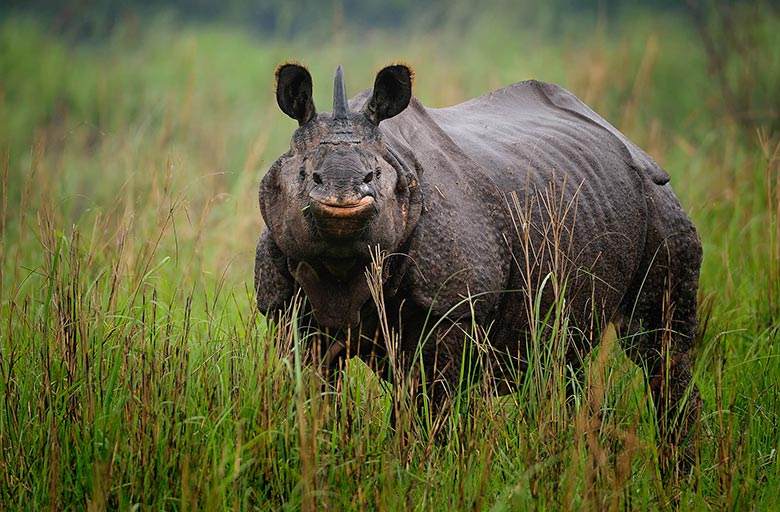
(136,371)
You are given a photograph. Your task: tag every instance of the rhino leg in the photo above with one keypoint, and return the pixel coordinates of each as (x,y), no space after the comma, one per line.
(431,359)
(273,283)
(659,325)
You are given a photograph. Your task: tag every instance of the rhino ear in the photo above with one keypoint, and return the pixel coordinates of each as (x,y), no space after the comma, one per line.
(392,92)
(293,92)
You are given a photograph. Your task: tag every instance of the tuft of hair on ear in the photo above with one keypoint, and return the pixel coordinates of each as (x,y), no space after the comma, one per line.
(282,66)
(392,93)
(412,72)
(293,90)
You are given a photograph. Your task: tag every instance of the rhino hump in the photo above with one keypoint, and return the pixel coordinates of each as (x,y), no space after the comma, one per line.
(531,105)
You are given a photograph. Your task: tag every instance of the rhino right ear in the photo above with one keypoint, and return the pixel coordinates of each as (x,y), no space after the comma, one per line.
(392,93)
(293,92)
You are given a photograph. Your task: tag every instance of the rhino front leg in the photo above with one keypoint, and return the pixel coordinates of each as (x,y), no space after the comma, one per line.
(273,283)
(433,361)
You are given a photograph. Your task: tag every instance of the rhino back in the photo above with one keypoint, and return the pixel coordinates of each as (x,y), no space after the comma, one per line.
(531,118)
(538,154)
(566,165)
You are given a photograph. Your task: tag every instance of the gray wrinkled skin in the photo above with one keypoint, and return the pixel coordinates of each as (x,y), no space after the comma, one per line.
(592,208)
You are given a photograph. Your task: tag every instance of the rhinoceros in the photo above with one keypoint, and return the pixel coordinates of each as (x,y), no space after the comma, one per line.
(524,196)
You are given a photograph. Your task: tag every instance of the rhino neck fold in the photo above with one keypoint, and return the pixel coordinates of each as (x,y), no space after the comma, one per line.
(335,302)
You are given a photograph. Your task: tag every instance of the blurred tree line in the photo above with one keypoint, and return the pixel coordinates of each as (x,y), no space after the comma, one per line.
(740,38)
(84,19)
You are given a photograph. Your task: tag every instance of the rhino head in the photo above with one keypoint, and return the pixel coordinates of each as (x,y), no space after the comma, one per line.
(340,191)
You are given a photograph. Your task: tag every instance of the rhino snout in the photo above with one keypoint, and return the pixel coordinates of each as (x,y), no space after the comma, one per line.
(342,218)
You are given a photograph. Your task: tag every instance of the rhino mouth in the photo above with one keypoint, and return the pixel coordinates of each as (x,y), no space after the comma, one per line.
(342,219)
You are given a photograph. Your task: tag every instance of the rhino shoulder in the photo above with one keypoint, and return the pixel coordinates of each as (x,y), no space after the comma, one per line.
(273,283)
(458,247)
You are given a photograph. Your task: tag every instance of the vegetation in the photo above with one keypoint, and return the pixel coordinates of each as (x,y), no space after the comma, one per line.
(134,369)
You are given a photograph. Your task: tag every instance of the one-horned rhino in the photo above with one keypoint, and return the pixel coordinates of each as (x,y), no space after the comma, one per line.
(522,197)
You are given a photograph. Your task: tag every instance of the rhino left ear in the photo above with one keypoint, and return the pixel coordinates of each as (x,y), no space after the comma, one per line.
(392,93)
(293,92)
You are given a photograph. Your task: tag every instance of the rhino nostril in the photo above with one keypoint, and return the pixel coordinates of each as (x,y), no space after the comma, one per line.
(369,177)
(317,178)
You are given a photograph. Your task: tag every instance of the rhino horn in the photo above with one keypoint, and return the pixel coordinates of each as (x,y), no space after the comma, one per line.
(340,104)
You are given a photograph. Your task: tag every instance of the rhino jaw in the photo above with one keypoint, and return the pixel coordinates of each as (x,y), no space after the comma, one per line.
(342,219)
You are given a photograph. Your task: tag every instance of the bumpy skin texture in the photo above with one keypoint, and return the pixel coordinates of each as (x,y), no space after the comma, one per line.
(484,199)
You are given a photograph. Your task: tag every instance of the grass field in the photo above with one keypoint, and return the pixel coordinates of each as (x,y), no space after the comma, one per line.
(135,370)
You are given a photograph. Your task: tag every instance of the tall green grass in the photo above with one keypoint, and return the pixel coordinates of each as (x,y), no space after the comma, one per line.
(134,369)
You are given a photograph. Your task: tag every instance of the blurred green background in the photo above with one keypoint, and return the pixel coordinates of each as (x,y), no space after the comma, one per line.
(97,82)
(134,367)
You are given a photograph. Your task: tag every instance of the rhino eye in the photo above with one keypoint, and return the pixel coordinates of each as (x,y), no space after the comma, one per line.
(302,173)
(378,172)
(369,177)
